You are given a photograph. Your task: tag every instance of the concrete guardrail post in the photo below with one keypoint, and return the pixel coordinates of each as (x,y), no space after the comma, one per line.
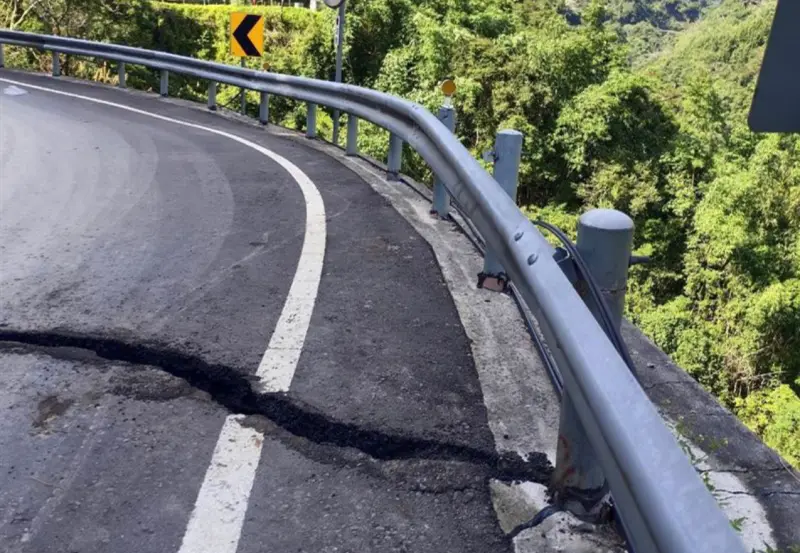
(56,65)
(605,239)
(2,57)
(263,108)
(395,161)
(121,74)
(311,121)
(507,155)
(212,96)
(351,148)
(441,197)
(164,91)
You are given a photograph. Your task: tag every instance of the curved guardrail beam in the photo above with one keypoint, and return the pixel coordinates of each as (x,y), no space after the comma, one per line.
(663,503)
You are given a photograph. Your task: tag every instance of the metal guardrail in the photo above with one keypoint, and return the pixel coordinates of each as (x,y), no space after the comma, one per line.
(662,501)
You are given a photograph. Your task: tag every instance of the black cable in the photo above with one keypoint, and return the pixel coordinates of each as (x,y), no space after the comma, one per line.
(480,246)
(472,228)
(584,273)
(555,375)
(602,307)
(540,517)
(228,105)
(552,370)
(476,241)
(606,321)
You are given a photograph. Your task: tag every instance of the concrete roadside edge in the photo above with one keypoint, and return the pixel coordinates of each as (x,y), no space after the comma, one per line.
(758,489)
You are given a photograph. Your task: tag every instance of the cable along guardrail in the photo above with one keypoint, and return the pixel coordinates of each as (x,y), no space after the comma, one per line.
(661,500)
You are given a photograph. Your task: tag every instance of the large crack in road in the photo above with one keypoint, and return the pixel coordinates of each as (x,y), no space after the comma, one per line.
(234,391)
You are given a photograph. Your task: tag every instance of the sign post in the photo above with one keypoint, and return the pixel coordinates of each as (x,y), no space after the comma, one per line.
(447,115)
(242,94)
(247,40)
(338,41)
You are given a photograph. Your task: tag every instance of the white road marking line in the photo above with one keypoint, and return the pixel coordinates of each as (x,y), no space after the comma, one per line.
(215,524)
(279,362)
(277,367)
(14,91)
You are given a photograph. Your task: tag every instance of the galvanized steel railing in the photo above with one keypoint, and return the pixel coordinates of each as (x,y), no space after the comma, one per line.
(662,501)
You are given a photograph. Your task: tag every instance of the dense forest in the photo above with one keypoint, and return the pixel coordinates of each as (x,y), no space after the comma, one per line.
(639,105)
(647,26)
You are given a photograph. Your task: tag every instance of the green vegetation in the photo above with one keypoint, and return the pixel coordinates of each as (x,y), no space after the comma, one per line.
(630,104)
(294,37)
(647,26)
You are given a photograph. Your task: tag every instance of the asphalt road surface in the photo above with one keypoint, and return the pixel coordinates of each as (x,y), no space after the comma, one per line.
(215,340)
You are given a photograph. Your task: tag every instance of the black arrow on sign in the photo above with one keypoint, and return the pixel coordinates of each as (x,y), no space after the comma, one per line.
(241,32)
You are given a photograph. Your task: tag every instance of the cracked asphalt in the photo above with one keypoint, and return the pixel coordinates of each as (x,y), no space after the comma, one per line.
(143,268)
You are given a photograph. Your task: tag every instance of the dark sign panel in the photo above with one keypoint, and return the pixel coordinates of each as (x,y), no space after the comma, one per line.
(776,103)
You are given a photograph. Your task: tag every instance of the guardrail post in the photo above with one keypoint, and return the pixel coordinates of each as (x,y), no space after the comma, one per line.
(395,161)
(2,57)
(164,82)
(605,242)
(121,74)
(263,108)
(605,238)
(311,121)
(351,148)
(56,65)
(507,155)
(441,198)
(212,96)
(578,483)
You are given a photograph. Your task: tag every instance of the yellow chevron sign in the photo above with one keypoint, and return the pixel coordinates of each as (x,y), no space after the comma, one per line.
(247,34)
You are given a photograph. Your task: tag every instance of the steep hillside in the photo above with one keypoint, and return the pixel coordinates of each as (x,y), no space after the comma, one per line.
(734,324)
(728,44)
(663,14)
(647,25)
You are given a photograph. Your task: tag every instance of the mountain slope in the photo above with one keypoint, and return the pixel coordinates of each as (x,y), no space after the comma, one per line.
(647,25)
